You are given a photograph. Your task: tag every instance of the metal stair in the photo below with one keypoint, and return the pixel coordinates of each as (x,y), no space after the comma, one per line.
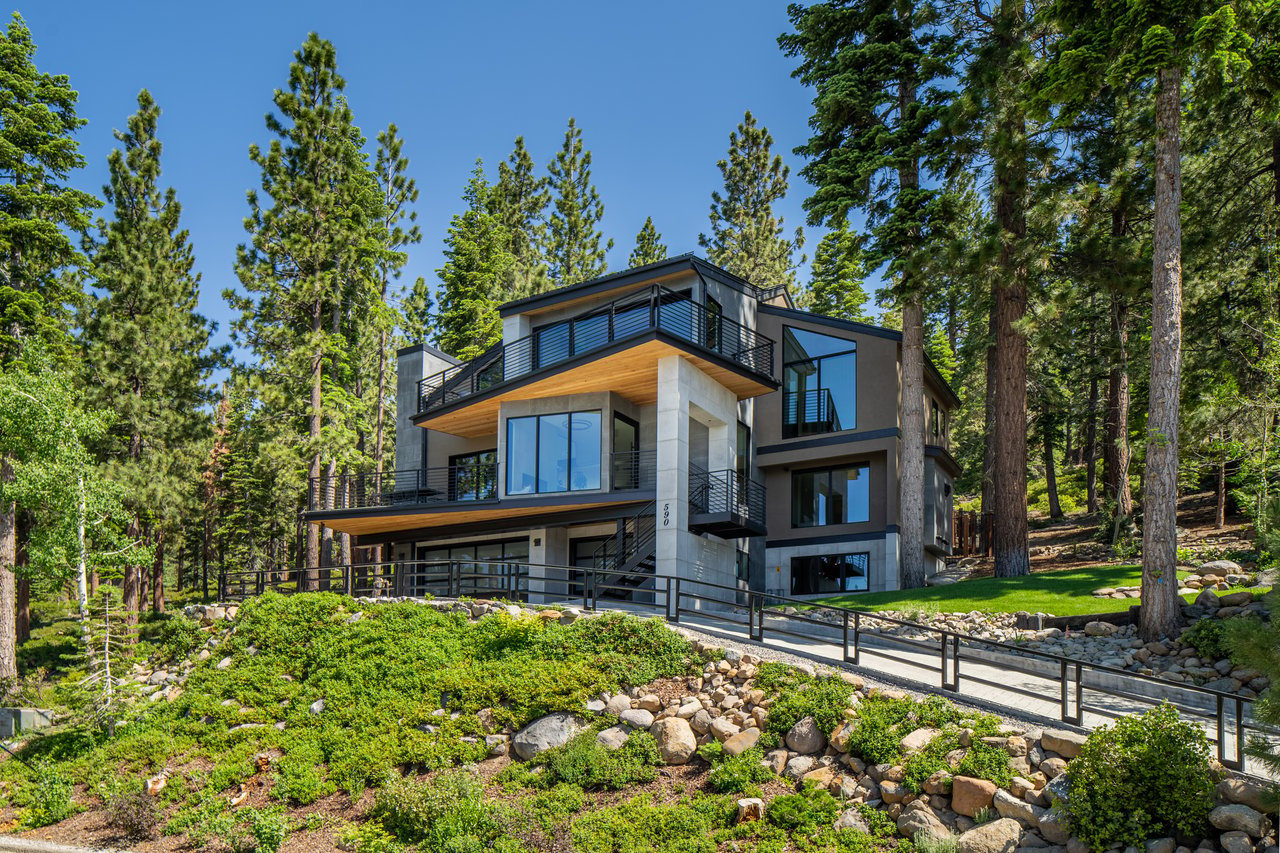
(624,562)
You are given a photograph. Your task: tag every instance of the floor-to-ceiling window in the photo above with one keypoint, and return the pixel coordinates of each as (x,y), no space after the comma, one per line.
(831,496)
(826,573)
(473,476)
(819,383)
(553,453)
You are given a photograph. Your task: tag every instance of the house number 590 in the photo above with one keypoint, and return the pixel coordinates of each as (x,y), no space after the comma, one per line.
(666,515)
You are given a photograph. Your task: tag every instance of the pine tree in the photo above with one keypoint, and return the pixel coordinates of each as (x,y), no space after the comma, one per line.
(938,348)
(417,314)
(649,248)
(38,214)
(309,263)
(836,279)
(746,237)
(573,247)
(146,349)
(471,280)
(1134,44)
(519,200)
(877,68)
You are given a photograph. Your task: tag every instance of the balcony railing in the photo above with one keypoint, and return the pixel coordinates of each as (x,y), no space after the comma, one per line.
(653,309)
(726,492)
(451,484)
(637,469)
(809,412)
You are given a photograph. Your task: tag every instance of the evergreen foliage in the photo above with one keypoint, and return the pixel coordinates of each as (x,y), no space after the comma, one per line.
(574,247)
(649,247)
(837,277)
(519,200)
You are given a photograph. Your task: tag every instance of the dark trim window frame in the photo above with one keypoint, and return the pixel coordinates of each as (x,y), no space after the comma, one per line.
(816,410)
(536,477)
(828,573)
(821,497)
(468,478)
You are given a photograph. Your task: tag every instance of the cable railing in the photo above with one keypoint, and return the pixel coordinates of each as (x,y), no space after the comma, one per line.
(1072,688)
(726,491)
(634,469)
(809,411)
(474,481)
(656,308)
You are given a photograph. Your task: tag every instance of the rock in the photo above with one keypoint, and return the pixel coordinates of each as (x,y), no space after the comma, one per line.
(806,737)
(840,737)
(1053,827)
(750,809)
(819,777)
(797,767)
(617,704)
(917,740)
(156,783)
(853,819)
(892,792)
(614,737)
(1053,767)
(1239,817)
(998,836)
(701,721)
(1067,744)
(1236,842)
(224,663)
(687,710)
(722,728)
(676,741)
(636,718)
(970,796)
(922,821)
(1244,792)
(938,783)
(777,760)
(596,706)
(650,702)
(1207,599)
(1160,845)
(498,745)
(317,708)
(1104,592)
(1017,809)
(547,733)
(741,742)
(1219,567)
(1099,629)
(1236,599)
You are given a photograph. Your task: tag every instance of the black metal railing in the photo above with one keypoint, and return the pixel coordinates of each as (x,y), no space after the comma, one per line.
(634,537)
(634,469)
(655,308)
(726,491)
(477,481)
(1072,687)
(808,412)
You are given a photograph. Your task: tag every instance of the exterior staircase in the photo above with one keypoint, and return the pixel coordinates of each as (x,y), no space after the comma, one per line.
(625,561)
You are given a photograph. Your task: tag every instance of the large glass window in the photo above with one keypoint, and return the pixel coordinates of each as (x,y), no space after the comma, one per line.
(553,453)
(819,383)
(831,496)
(626,452)
(828,573)
(474,476)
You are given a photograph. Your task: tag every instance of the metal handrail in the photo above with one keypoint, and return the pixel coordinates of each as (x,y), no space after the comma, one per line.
(472,482)
(815,407)
(657,308)
(633,469)
(726,491)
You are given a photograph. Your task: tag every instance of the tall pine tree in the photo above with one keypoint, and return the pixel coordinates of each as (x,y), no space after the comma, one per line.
(313,237)
(472,278)
(878,67)
(837,276)
(649,247)
(574,247)
(747,237)
(146,348)
(519,200)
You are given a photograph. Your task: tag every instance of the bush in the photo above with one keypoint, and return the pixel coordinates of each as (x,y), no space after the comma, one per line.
(733,774)
(803,813)
(1209,638)
(442,814)
(49,797)
(585,763)
(133,814)
(1143,777)
(636,826)
(179,636)
(368,838)
(269,827)
(824,699)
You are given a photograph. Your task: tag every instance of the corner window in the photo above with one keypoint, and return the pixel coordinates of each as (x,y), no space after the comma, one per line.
(829,573)
(831,496)
(473,476)
(819,383)
(553,453)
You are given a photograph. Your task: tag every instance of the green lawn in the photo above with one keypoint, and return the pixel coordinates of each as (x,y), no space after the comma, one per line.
(1061,593)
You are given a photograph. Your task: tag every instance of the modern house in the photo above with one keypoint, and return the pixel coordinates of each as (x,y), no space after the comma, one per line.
(671,419)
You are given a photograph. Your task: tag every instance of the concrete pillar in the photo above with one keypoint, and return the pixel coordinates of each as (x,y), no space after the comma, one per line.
(413,364)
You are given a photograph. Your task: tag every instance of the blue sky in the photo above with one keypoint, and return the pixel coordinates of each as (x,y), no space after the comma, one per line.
(656,88)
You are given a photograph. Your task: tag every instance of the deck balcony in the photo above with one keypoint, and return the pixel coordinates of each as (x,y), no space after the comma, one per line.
(615,347)
(725,503)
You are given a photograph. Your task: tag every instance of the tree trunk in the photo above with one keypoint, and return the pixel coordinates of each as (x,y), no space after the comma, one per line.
(989,440)
(1050,470)
(1115,443)
(911,477)
(22,617)
(1220,517)
(129,592)
(8,592)
(1161,613)
(157,575)
(312,573)
(1091,431)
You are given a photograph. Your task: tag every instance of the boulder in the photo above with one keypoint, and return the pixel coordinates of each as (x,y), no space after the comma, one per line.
(892,792)
(651,703)
(1236,842)
(741,742)
(798,766)
(917,740)
(819,777)
(676,741)
(317,708)
(970,796)
(1219,567)
(1020,810)
(1067,744)
(918,821)
(722,728)
(1237,817)
(613,737)
(1160,845)
(1099,629)
(853,819)
(701,721)
(1207,599)
(1244,792)
(1053,827)
(998,836)
(547,733)
(1236,599)
(805,737)
(637,718)
(617,704)
(777,760)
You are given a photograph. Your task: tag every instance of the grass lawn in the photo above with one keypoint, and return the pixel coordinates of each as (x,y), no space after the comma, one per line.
(1061,593)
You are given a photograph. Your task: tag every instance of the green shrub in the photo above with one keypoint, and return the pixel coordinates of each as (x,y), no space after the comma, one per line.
(1209,638)
(734,774)
(1142,777)
(269,827)
(133,814)
(48,798)
(299,778)
(824,699)
(585,763)
(179,636)
(636,826)
(446,813)
(803,813)
(368,838)
(984,761)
